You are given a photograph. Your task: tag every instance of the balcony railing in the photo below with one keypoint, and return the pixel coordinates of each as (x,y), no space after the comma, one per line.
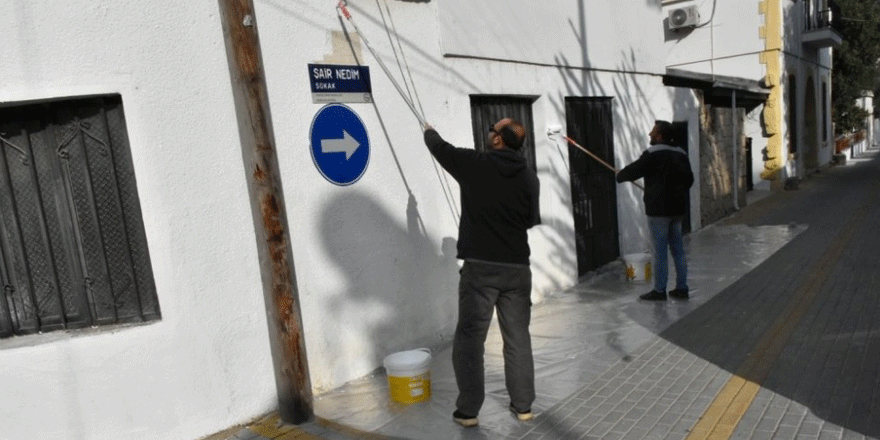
(818,20)
(819,32)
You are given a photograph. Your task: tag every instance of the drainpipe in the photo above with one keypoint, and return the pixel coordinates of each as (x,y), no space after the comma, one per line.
(286,340)
(735,152)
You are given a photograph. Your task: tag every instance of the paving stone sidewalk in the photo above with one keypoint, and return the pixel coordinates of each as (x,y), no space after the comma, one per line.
(783,347)
(789,351)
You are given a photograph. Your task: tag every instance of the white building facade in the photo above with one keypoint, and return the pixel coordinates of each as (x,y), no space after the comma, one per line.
(775,55)
(156,221)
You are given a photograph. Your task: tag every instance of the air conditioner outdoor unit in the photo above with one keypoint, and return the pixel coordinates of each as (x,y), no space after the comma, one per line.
(687,16)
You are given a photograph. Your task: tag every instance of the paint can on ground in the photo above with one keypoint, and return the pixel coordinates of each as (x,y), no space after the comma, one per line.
(409,375)
(638,267)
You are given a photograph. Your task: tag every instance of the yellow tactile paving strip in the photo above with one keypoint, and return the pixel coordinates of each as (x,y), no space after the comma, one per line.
(272,427)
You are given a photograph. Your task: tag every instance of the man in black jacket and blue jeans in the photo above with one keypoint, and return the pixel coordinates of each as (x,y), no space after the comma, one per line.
(499,202)
(668,178)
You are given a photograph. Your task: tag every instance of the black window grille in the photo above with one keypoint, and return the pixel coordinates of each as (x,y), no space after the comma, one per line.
(489,109)
(73,251)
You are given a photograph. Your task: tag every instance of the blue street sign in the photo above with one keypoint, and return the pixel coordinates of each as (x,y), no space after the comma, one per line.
(340,83)
(339,143)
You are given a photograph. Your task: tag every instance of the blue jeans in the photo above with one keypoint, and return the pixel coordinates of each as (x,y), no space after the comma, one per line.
(484,288)
(666,232)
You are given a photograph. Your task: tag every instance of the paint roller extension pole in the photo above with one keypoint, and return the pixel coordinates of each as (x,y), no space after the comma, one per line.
(571,141)
(342,8)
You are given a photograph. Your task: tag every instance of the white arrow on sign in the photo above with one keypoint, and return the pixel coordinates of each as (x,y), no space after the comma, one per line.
(347,145)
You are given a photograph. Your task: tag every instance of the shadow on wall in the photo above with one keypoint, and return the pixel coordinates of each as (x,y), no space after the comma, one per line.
(685,114)
(399,288)
(636,110)
(559,235)
(631,105)
(306,14)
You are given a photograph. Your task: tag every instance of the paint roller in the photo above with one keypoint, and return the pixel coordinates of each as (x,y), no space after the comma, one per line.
(342,8)
(556,130)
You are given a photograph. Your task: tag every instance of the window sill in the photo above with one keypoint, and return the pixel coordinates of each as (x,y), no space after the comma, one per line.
(33,340)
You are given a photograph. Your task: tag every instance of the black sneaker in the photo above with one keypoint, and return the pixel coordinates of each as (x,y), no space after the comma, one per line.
(654,296)
(465,420)
(679,294)
(522,416)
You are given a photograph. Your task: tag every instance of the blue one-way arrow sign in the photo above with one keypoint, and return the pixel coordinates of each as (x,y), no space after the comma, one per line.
(347,145)
(339,144)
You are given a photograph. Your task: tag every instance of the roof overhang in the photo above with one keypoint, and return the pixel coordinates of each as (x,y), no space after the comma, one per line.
(719,90)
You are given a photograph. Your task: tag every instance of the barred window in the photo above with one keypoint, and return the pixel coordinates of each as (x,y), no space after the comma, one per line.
(73,252)
(489,109)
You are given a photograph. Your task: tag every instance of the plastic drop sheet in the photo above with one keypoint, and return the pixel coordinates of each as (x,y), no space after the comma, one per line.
(577,334)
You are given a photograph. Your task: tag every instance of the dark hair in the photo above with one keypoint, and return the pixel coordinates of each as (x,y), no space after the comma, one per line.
(665,130)
(513,135)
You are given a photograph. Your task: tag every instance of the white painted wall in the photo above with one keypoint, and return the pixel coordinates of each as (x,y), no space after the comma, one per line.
(728,42)
(206,363)
(601,34)
(875,126)
(375,261)
(810,65)
(725,42)
(826,154)
(686,107)
(753,127)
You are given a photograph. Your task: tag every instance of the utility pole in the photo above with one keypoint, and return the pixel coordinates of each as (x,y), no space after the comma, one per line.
(267,206)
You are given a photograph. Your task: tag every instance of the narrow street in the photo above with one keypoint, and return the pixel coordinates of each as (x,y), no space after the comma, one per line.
(780,340)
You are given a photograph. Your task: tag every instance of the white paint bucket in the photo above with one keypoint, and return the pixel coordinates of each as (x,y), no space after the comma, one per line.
(409,375)
(638,267)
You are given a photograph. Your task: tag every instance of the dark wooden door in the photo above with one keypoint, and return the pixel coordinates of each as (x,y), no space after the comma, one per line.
(593,186)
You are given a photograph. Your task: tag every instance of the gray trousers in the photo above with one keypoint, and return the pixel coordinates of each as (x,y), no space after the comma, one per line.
(483,288)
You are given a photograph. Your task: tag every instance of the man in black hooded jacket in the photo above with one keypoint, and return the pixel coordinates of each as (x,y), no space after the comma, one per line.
(668,178)
(499,203)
